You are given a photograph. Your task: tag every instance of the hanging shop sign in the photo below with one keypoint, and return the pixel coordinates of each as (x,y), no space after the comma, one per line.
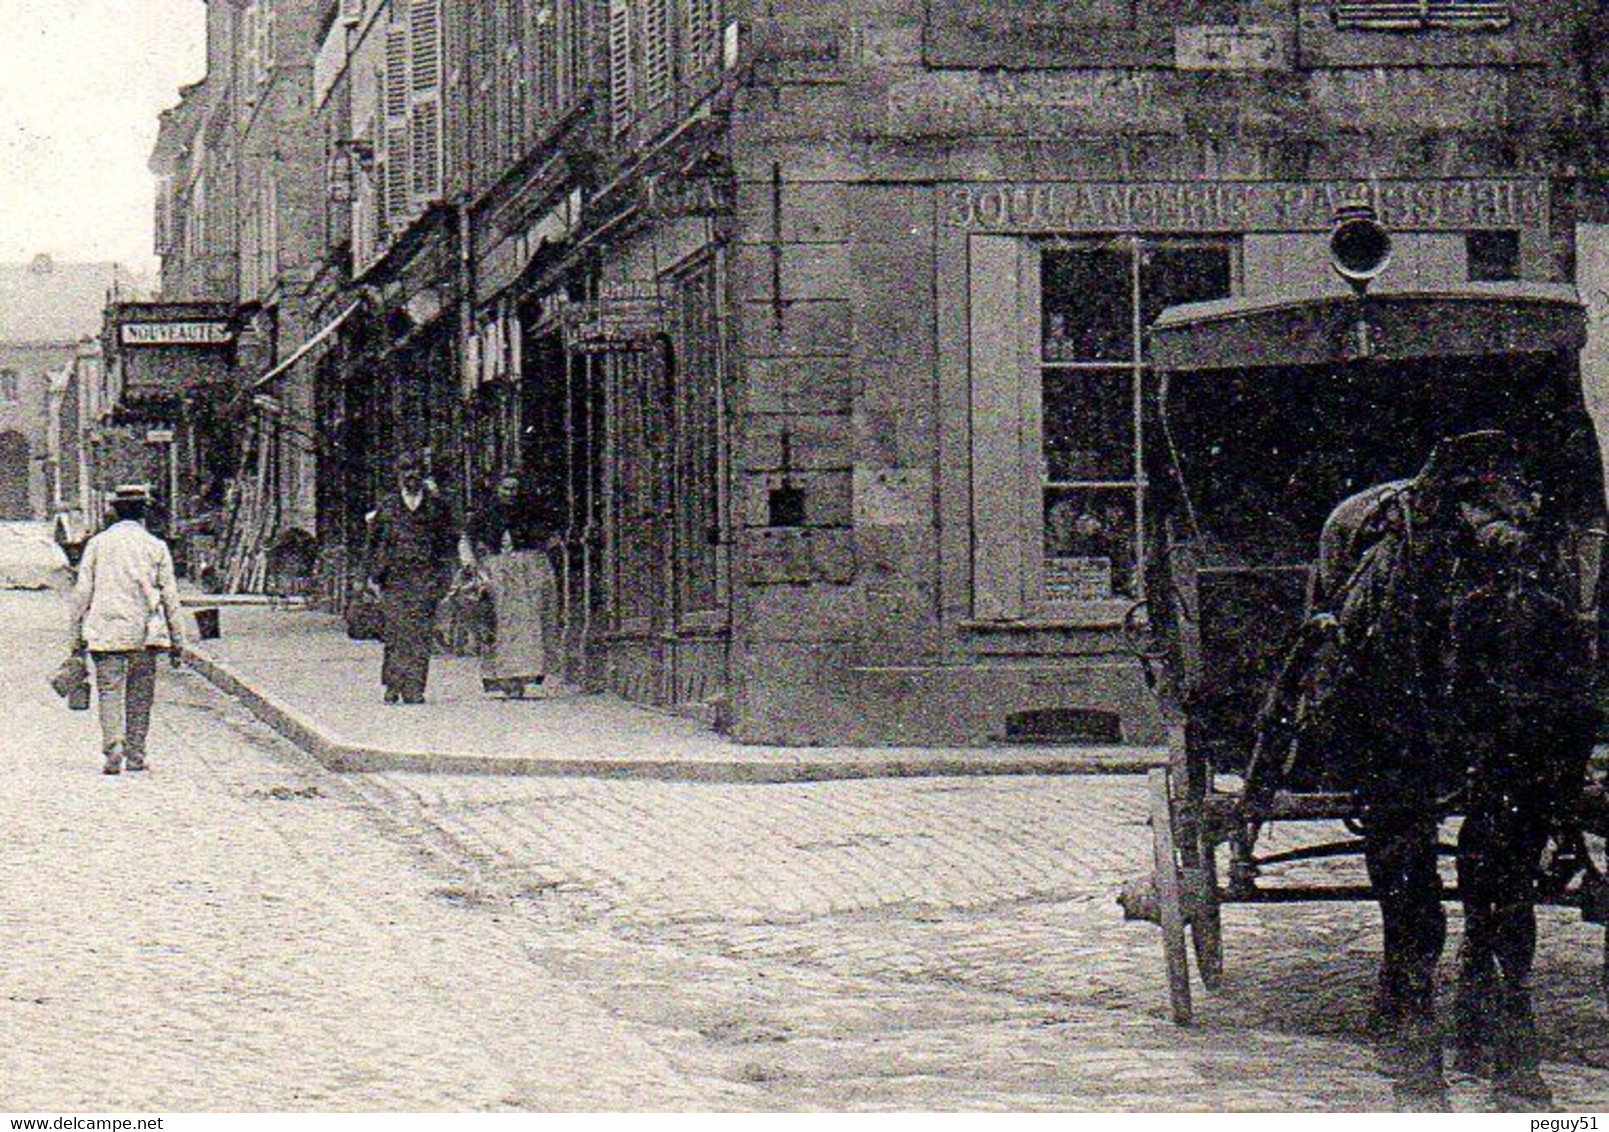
(176,334)
(623,317)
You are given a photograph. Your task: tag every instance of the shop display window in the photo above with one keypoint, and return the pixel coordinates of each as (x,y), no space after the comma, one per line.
(1096,299)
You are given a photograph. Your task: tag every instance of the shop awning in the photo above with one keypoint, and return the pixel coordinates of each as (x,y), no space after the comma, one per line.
(305,348)
(1476,320)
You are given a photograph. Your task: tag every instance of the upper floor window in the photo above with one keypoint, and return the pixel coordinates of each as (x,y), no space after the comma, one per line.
(657,49)
(533,62)
(10,386)
(1415,15)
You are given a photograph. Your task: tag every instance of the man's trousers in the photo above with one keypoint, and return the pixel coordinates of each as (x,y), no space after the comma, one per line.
(125,685)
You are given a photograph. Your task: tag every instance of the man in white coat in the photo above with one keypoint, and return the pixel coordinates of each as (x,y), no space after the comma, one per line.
(126,611)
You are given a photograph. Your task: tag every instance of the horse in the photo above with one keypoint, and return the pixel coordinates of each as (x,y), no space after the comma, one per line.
(1442,670)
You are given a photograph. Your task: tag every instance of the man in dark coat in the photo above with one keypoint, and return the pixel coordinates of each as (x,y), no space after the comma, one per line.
(410,557)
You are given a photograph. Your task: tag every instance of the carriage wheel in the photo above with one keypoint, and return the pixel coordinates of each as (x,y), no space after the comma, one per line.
(1189,784)
(1170,899)
(1206,923)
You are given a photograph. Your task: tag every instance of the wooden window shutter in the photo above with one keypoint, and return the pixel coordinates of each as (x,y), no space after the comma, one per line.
(622,68)
(251,53)
(545,48)
(701,48)
(658,53)
(1408,15)
(164,216)
(424,100)
(1000,559)
(270,26)
(573,50)
(397,182)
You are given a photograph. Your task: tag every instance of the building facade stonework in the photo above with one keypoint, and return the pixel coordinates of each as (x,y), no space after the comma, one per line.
(820,329)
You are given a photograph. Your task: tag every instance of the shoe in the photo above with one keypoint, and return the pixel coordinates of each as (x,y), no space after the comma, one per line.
(1517,1082)
(1414,1098)
(114,760)
(1523,1091)
(392,696)
(134,764)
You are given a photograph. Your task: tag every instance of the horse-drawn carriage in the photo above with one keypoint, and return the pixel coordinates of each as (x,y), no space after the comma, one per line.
(1418,656)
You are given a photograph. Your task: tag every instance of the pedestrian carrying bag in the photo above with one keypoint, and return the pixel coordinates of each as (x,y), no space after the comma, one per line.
(71,682)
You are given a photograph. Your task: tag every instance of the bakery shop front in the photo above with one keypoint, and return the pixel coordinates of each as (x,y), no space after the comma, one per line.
(1046,290)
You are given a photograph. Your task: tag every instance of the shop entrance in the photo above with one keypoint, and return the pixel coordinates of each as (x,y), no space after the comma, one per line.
(14,503)
(557,433)
(667,503)
(639,506)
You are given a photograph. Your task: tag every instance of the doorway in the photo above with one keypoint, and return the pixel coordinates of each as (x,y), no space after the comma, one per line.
(14,477)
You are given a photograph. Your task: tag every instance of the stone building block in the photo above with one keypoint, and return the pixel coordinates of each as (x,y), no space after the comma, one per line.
(799,110)
(893,319)
(799,556)
(810,212)
(793,692)
(895,415)
(1397,101)
(893,499)
(897,568)
(817,327)
(892,213)
(828,497)
(806,271)
(820,612)
(809,385)
(814,442)
(800,162)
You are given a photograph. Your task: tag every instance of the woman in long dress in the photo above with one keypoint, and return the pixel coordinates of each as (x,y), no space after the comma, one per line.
(509,543)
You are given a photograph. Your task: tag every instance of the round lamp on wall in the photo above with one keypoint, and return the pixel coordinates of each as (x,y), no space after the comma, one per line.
(1360,246)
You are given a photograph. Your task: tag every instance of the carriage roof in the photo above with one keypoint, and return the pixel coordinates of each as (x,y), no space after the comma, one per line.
(1319,329)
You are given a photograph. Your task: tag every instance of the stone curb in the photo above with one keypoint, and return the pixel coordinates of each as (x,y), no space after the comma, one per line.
(341,757)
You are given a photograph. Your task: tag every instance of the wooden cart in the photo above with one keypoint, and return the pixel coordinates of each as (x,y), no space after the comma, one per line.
(1261,415)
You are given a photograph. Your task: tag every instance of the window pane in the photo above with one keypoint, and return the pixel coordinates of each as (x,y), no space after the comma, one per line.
(1089,424)
(1493,256)
(1172,275)
(1089,309)
(1089,544)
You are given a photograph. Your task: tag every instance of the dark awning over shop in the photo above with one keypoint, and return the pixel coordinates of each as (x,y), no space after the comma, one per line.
(1482,319)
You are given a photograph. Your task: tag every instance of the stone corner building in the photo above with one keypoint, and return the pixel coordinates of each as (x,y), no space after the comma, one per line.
(820,325)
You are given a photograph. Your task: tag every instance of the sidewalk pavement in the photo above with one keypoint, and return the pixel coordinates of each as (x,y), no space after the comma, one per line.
(297,671)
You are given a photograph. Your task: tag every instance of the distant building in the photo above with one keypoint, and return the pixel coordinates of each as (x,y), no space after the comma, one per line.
(46,310)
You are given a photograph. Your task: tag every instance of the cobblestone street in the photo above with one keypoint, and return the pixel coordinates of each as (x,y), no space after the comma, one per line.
(241,929)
